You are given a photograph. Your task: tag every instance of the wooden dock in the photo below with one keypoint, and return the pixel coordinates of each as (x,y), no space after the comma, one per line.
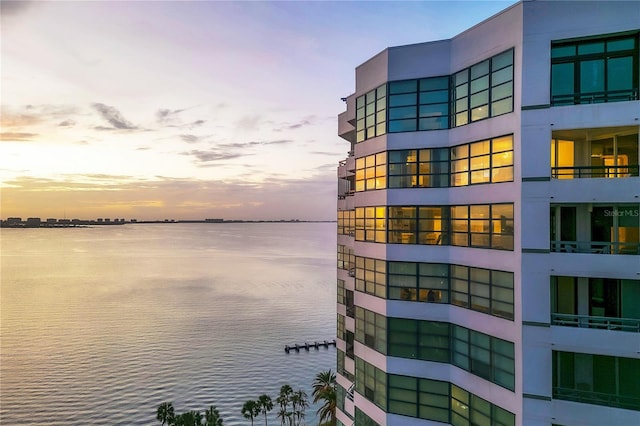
(307,346)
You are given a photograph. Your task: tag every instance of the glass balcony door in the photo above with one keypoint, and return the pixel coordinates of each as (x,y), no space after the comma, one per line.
(616,228)
(607,229)
(602,303)
(595,153)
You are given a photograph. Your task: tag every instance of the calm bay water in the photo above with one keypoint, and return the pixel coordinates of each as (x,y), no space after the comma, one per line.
(100,325)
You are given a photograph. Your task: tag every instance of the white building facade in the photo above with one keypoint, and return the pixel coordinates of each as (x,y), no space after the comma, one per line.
(488,225)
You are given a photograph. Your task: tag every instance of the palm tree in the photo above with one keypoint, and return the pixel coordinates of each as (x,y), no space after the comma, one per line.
(212,417)
(266,405)
(251,410)
(300,404)
(166,413)
(324,388)
(283,401)
(189,418)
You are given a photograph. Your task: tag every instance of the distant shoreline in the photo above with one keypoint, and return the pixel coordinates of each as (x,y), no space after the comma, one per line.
(77,223)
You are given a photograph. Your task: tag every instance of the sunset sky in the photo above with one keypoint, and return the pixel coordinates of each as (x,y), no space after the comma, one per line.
(190,109)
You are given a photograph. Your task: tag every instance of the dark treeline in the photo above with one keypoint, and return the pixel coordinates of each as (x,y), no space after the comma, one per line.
(291,406)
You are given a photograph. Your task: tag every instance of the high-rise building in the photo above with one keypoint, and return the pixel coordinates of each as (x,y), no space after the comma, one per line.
(488,225)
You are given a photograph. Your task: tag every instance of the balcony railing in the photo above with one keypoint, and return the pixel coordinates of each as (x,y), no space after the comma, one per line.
(579,172)
(602,323)
(598,398)
(350,391)
(345,194)
(595,97)
(599,247)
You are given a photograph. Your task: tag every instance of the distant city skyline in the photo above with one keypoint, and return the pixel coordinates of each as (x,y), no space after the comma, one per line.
(189,110)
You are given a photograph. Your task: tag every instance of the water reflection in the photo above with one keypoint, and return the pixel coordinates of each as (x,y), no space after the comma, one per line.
(100,325)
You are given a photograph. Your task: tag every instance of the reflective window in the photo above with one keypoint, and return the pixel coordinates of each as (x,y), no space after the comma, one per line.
(488,161)
(371,329)
(443,402)
(371,224)
(371,114)
(346,222)
(371,172)
(426,340)
(371,276)
(592,71)
(341,292)
(484,90)
(482,226)
(402,225)
(363,420)
(341,393)
(478,289)
(346,259)
(597,379)
(483,355)
(419,104)
(425,168)
(371,382)
(341,332)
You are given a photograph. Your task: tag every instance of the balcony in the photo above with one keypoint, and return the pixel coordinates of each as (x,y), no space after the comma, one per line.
(346,187)
(597,398)
(595,247)
(580,172)
(595,228)
(602,323)
(346,129)
(595,97)
(607,152)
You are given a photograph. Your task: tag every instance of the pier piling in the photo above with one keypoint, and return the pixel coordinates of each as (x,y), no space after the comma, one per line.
(307,346)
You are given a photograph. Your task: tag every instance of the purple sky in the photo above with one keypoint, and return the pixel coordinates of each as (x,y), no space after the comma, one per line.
(190,110)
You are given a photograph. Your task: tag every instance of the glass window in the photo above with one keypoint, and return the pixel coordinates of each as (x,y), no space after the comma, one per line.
(370,224)
(502,226)
(479,99)
(371,276)
(597,379)
(480,70)
(503,76)
(592,76)
(502,60)
(402,113)
(607,70)
(480,84)
(433,123)
(437,96)
(371,114)
(402,126)
(620,73)
(562,79)
(371,172)
(437,110)
(502,91)
(588,48)
(480,106)
(402,100)
(406,86)
(563,51)
(434,83)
